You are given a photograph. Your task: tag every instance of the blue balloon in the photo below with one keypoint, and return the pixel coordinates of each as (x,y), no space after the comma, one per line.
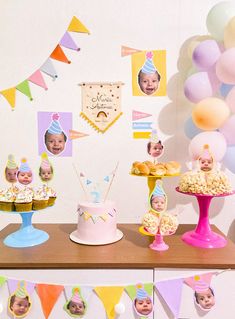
(225,88)
(190,129)
(229,158)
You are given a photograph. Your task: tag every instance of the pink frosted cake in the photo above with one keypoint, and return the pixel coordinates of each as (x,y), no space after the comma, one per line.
(97,224)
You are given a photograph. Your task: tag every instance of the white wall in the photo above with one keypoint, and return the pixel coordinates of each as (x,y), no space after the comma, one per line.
(30,30)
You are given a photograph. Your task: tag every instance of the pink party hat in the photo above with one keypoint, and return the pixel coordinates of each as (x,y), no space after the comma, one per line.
(45,164)
(206,154)
(76,295)
(199,283)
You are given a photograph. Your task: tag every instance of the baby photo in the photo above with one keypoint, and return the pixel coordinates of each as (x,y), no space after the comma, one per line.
(76,306)
(53,133)
(142,303)
(19,302)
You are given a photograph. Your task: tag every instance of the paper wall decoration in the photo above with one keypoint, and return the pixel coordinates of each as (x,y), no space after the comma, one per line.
(47,67)
(141,130)
(137,115)
(128,51)
(101,104)
(149,66)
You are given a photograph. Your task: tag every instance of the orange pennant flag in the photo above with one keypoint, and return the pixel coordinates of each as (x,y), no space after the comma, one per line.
(110,296)
(77,26)
(10,96)
(128,51)
(48,295)
(75,134)
(58,54)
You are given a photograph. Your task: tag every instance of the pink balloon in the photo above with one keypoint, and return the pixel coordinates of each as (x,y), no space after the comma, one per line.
(206,54)
(224,67)
(198,87)
(215,140)
(228,130)
(230,99)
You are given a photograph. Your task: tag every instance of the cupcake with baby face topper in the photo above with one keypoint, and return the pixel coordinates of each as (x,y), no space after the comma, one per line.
(23,201)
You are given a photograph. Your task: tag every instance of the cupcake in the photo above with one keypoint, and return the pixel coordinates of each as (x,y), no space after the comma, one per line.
(52,196)
(23,201)
(7,200)
(40,200)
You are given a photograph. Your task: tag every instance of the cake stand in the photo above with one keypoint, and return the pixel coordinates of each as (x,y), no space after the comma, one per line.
(158,243)
(203,236)
(27,235)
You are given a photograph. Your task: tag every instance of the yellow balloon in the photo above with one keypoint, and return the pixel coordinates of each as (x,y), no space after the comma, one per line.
(210,114)
(229,34)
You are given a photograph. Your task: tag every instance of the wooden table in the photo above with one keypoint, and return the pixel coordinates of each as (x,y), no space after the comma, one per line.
(59,252)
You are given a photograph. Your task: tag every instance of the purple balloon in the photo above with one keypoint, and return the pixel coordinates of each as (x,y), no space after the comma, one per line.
(228,130)
(198,87)
(206,54)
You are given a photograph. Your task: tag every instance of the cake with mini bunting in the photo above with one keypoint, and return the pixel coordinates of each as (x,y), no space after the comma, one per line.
(97,217)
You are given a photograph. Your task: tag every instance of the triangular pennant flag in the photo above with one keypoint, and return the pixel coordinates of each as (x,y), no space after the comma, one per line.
(2,280)
(58,54)
(94,218)
(171,291)
(49,69)
(48,295)
(106,179)
(86,215)
(88,182)
(136,115)
(132,290)
(23,87)
(77,26)
(128,51)
(68,42)
(82,174)
(104,217)
(13,285)
(38,79)
(110,296)
(10,96)
(74,134)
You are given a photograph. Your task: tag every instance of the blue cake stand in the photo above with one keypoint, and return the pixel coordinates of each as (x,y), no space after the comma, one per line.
(27,235)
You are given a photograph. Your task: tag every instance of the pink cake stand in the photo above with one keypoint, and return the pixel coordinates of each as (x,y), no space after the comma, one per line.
(203,236)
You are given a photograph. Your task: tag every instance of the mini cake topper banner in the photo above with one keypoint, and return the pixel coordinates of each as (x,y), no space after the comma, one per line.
(101,104)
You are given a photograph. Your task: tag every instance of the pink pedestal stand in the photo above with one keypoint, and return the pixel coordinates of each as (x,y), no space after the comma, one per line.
(203,236)
(158,243)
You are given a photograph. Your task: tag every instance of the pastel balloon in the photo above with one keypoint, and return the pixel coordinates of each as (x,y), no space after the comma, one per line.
(210,114)
(218,17)
(206,54)
(229,34)
(215,140)
(225,89)
(229,158)
(190,129)
(228,130)
(198,87)
(224,71)
(230,99)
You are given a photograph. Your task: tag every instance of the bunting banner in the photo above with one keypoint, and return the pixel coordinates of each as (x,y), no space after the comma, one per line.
(75,134)
(128,51)
(101,104)
(47,67)
(110,296)
(142,126)
(137,115)
(76,300)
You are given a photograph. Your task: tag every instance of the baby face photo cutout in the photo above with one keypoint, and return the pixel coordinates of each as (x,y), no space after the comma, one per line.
(53,133)
(76,307)
(45,170)
(143,304)
(154,147)
(19,302)
(149,73)
(11,170)
(204,297)
(206,160)
(24,175)
(158,199)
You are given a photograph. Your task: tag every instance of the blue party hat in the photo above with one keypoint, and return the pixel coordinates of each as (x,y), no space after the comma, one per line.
(55,127)
(149,67)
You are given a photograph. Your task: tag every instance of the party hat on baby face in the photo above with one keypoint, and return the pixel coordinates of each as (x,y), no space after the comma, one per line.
(158,190)
(76,297)
(206,153)
(45,164)
(199,283)
(140,292)
(11,164)
(24,167)
(149,67)
(21,291)
(55,127)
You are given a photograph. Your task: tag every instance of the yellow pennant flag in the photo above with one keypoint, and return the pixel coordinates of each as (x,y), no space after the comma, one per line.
(10,96)
(77,26)
(110,296)
(144,135)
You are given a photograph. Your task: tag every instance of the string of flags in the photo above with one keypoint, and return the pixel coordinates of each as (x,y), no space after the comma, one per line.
(77,298)
(141,129)
(47,67)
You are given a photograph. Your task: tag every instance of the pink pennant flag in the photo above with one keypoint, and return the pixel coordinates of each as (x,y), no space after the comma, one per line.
(38,79)
(171,291)
(128,51)
(74,134)
(82,174)
(68,42)
(136,115)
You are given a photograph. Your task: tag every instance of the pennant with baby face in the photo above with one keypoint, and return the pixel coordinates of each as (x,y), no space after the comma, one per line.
(19,302)
(204,295)
(158,199)
(141,295)
(76,306)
